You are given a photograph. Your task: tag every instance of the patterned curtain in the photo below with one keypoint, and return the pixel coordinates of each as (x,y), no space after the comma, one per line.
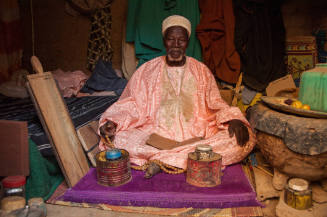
(11,47)
(99,47)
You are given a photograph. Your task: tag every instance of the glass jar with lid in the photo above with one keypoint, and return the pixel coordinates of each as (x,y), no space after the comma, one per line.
(14,185)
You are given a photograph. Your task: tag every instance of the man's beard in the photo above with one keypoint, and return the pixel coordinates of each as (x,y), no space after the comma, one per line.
(179,58)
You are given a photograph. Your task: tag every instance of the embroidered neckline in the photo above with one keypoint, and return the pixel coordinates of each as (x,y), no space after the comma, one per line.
(178,90)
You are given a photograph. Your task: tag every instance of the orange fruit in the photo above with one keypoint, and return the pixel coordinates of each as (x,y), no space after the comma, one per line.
(297,104)
(306,107)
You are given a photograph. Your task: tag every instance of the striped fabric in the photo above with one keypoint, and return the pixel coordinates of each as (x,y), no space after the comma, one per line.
(11,47)
(82,110)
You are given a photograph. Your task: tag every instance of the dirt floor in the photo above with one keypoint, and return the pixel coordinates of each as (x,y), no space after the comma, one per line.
(66,211)
(57,210)
(270,193)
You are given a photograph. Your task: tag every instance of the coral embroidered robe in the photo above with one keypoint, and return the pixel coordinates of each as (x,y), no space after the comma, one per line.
(178,106)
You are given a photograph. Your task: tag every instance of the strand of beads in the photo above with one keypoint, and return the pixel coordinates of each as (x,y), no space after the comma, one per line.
(163,166)
(168,168)
(108,142)
(143,167)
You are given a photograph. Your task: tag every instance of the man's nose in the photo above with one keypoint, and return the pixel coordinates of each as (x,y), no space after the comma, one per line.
(177,43)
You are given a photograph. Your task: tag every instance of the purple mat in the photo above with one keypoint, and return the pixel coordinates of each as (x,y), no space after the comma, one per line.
(166,191)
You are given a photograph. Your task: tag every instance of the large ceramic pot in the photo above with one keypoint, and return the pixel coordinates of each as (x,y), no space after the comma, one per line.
(289,162)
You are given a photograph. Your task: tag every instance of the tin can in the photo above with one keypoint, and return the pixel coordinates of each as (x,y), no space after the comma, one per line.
(298,194)
(113,172)
(204,167)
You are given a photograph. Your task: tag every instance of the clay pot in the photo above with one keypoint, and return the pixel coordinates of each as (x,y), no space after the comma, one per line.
(293,164)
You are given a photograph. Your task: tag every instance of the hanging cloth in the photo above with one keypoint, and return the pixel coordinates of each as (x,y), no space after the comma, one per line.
(144,19)
(216,34)
(11,47)
(99,47)
(260,41)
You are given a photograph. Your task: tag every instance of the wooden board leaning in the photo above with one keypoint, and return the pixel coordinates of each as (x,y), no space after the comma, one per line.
(90,139)
(57,123)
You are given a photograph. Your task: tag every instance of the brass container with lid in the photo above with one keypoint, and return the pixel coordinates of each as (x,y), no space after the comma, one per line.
(204,167)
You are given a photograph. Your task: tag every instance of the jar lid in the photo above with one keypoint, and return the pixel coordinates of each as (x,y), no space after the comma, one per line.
(14,181)
(36,201)
(113,154)
(298,184)
(204,148)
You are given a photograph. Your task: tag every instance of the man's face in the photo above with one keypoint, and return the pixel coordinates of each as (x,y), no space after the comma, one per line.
(176,41)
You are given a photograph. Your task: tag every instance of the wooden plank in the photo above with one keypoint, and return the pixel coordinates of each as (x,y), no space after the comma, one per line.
(90,139)
(45,128)
(57,123)
(237,90)
(14,157)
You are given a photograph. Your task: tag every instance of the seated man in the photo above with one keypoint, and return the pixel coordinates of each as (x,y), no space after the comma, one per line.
(176,97)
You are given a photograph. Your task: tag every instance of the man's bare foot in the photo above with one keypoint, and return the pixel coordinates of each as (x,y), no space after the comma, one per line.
(152,170)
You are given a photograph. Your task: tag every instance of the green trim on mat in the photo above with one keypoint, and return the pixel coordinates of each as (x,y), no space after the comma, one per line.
(53,188)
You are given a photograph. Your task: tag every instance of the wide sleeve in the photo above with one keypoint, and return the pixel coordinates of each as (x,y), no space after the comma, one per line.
(215,103)
(129,110)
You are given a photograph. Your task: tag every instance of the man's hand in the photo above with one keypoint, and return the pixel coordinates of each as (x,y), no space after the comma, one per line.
(240,130)
(108,129)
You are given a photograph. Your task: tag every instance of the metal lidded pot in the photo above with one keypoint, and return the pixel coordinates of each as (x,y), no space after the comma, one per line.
(113,167)
(204,167)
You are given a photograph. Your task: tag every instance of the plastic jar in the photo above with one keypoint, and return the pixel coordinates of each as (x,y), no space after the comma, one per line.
(14,186)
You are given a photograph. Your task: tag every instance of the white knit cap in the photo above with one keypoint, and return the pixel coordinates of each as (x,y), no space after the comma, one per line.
(176,20)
